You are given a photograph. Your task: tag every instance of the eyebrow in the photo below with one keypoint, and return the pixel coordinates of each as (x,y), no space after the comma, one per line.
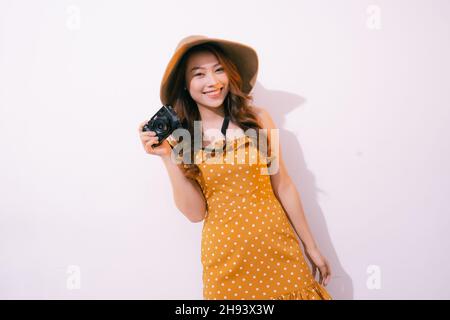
(195,68)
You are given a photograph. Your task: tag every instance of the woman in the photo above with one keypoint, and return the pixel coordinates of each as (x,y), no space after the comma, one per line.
(249,245)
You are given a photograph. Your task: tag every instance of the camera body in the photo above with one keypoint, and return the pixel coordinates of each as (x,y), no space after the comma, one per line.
(163,123)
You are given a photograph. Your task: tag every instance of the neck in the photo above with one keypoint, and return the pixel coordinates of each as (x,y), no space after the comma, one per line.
(211,118)
(211,115)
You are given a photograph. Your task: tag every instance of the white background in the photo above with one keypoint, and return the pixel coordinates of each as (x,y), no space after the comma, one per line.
(359,89)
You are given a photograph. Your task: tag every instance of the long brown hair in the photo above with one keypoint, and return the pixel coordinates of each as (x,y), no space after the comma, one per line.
(236,103)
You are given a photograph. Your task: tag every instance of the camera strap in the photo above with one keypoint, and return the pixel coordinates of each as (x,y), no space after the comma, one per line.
(226,120)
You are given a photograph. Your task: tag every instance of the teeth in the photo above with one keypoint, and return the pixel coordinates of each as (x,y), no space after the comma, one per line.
(213,91)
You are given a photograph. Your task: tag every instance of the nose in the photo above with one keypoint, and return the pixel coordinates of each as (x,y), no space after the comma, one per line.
(213,82)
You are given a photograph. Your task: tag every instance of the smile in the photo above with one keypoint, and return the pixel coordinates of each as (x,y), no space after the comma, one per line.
(214,93)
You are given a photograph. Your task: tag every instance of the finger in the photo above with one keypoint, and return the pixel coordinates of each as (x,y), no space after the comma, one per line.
(148,133)
(149,144)
(152,140)
(149,147)
(148,137)
(327,264)
(329,267)
(328,277)
(141,126)
(146,140)
(314,272)
(323,274)
(327,280)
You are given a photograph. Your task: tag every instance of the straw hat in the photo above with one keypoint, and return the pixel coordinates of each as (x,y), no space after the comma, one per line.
(243,56)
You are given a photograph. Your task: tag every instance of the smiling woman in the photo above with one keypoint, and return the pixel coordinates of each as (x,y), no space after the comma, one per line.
(249,249)
(203,83)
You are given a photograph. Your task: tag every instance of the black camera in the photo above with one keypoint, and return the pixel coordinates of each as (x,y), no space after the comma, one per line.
(163,123)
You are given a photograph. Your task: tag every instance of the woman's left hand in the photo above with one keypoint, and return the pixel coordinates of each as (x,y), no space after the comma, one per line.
(319,262)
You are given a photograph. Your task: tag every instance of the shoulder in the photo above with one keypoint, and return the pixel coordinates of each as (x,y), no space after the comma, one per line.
(264,117)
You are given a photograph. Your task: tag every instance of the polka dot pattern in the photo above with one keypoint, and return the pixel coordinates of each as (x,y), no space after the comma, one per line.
(249,249)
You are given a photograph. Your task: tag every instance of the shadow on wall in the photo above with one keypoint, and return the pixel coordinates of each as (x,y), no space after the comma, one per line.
(279,104)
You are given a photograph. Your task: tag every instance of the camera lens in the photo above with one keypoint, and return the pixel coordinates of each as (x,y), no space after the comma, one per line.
(161,125)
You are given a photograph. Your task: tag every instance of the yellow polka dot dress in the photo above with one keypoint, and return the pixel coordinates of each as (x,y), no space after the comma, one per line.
(249,249)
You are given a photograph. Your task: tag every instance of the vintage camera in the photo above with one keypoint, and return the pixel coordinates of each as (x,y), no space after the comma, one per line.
(164,122)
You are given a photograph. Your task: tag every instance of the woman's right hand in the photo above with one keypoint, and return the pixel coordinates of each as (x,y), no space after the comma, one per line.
(148,138)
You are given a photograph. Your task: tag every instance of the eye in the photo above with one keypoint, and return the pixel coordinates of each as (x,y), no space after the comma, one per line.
(198,74)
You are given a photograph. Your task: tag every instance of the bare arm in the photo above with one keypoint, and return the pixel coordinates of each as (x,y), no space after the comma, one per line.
(187,194)
(291,202)
(285,190)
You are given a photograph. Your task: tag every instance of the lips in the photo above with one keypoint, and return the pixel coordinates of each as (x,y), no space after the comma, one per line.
(213,92)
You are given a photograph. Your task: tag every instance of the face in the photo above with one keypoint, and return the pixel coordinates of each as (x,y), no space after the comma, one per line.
(205,74)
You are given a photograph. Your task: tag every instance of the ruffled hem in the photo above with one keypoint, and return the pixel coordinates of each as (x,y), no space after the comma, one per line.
(314,291)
